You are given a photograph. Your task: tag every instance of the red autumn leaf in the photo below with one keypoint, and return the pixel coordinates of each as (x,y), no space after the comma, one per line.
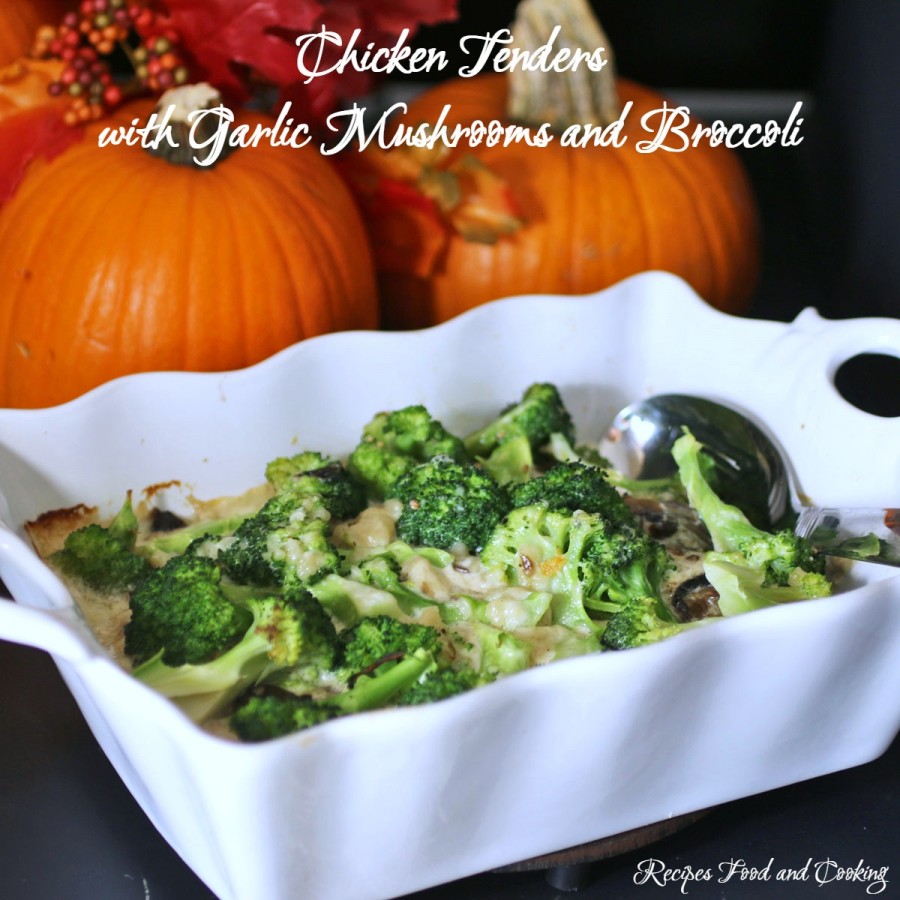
(226,38)
(234,43)
(392,16)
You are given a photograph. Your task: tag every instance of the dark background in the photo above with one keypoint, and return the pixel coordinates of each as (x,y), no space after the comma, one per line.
(831,211)
(733,44)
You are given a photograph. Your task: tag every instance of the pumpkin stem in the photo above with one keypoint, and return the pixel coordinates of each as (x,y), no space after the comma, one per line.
(188,133)
(578,95)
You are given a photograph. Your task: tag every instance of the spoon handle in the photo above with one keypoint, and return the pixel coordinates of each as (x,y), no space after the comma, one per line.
(863,533)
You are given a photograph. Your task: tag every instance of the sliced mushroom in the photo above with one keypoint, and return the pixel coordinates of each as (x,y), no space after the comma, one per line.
(695,598)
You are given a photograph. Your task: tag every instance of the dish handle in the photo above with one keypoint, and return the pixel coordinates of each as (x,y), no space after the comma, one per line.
(50,621)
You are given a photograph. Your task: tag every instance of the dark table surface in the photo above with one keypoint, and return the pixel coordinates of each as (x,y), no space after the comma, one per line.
(69,830)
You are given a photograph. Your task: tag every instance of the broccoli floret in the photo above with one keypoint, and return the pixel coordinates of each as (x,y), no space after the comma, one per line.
(348,600)
(104,557)
(748,567)
(274,715)
(597,561)
(383,572)
(307,479)
(285,545)
(560,449)
(281,635)
(779,554)
(399,552)
(439,685)
(371,588)
(606,583)
(589,566)
(571,486)
(505,612)
(500,652)
(623,570)
(539,414)
(332,485)
(374,585)
(637,623)
(188,538)
(447,504)
(393,442)
(742,587)
(511,462)
(488,651)
(378,638)
(280,471)
(623,563)
(540,549)
(182,611)
(381,638)
(372,643)
(528,546)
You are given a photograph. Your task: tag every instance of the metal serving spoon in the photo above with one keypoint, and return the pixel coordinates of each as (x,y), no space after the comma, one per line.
(751,471)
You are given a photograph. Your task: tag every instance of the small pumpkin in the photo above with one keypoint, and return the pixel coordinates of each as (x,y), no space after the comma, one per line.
(114,260)
(20,20)
(454,228)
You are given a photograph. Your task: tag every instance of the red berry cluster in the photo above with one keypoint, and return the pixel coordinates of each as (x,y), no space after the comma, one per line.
(99,30)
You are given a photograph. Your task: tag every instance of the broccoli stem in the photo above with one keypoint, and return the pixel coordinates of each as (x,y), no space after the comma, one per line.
(205,690)
(273,642)
(539,414)
(375,691)
(348,600)
(727,525)
(749,568)
(179,539)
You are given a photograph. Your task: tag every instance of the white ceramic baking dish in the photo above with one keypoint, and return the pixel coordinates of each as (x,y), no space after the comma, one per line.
(382,804)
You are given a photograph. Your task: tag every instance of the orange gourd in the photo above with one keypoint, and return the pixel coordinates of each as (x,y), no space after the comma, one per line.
(19,21)
(113,260)
(577,219)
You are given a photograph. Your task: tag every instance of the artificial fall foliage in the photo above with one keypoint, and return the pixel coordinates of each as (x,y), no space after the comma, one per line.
(88,41)
(115,49)
(227,39)
(235,44)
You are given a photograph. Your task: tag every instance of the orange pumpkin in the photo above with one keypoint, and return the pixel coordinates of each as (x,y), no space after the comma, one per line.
(574,220)
(19,21)
(114,261)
